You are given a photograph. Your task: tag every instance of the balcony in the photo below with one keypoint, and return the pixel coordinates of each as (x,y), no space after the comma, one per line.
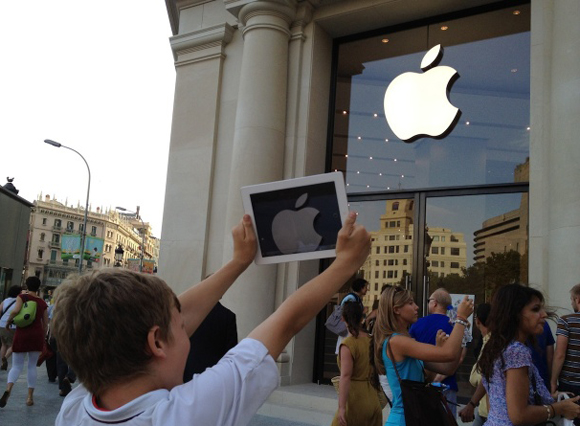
(54,244)
(57,228)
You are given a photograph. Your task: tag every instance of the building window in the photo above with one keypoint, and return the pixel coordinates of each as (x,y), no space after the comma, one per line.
(404,262)
(44,220)
(392,224)
(70,226)
(454,251)
(93,230)
(454,265)
(442,250)
(395,206)
(81,227)
(40,253)
(435,263)
(376,274)
(376,286)
(442,238)
(405,248)
(391,262)
(377,262)
(390,274)
(442,264)
(55,238)
(435,250)
(378,250)
(42,235)
(57,223)
(436,238)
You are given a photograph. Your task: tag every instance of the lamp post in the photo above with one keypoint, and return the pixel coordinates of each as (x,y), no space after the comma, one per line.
(136,215)
(84,234)
(119,255)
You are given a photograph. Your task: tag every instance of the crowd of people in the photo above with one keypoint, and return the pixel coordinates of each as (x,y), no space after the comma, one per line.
(517,376)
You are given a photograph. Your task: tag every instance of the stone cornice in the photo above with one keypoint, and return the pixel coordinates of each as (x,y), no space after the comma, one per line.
(217,36)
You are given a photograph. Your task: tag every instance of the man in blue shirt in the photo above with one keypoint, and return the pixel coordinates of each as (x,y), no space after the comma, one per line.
(425,331)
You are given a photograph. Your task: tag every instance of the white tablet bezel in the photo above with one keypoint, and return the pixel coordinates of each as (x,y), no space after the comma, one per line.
(335,177)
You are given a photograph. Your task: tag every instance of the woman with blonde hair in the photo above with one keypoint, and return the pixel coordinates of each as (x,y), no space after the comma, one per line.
(392,344)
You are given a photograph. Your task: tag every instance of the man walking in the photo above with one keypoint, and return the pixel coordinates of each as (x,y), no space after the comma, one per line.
(565,372)
(425,331)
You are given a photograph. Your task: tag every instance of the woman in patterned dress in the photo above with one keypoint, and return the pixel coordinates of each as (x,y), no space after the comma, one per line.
(517,394)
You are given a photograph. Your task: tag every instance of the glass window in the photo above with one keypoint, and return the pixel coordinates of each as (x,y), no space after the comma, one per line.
(491,54)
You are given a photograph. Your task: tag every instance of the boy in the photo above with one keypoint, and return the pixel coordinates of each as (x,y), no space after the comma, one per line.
(126,337)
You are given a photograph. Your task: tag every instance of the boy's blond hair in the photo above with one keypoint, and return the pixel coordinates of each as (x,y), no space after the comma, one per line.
(101,321)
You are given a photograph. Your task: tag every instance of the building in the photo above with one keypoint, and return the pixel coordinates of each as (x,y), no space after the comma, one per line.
(14,217)
(52,222)
(296,87)
(391,259)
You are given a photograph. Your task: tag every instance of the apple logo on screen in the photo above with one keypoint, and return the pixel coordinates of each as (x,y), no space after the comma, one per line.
(293,230)
(416,105)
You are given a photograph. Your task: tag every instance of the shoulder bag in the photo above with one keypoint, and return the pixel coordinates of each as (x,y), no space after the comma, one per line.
(334,322)
(26,315)
(423,403)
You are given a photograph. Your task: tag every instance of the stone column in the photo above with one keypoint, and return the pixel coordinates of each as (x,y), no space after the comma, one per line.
(555,151)
(258,153)
(199,57)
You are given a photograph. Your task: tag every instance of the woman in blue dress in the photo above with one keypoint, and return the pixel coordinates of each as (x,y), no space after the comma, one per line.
(397,312)
(516,391)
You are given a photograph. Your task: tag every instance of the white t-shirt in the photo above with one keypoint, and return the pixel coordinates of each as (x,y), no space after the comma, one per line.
(229,393)
(7,304)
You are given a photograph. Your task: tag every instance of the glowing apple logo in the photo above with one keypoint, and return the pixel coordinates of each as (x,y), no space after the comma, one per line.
(293,230)
(416,105)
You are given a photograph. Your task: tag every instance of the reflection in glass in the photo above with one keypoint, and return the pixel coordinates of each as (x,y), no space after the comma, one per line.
(390,261)
(491,53)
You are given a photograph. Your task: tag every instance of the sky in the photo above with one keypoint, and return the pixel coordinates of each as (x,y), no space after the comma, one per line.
(97,77)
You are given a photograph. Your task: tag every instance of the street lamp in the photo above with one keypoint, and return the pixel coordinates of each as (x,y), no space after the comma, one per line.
(136,216)
(84,234)
(119,255)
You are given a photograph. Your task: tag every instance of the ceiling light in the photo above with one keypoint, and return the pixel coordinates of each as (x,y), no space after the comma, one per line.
(385,40)
(514,70)
(467,123)
(375,115)
(444,28)
(359,138)
(344,112)
(357,172)
(528,129)
(345,155)
(380,174)
(370,158)
(386,140)
(516,12)
(395,159)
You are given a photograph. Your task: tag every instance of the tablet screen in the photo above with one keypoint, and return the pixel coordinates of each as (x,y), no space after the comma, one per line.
(297,220)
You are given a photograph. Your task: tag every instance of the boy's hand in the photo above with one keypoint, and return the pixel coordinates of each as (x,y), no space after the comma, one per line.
(244,241)
(353,244)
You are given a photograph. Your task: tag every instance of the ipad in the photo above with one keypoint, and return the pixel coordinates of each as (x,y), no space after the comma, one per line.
(297,219)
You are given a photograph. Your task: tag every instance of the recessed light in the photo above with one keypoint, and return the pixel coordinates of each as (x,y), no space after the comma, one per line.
(388,187)
(345,155)
(368,186)
(385,40)
(359,138)
(402,175)
(395,159)
(348,184)
(375,115)
(380,174)
(444,28)
(516,12)
(514,70)
(370,158)
(358,172)
(386,140)
(344,112)
(528,129)
(467,123)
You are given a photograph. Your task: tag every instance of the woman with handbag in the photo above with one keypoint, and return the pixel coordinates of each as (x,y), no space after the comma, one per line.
(28,340)
(517,394)
(7,334)
(358,401)
(402,357)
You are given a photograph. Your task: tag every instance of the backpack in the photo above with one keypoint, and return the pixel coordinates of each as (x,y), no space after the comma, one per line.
(334,322)
(27,314)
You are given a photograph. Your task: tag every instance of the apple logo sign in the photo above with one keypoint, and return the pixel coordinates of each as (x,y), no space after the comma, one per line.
(293,230)
(416,105)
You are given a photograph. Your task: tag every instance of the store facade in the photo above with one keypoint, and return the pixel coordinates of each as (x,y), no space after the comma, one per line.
(270,90)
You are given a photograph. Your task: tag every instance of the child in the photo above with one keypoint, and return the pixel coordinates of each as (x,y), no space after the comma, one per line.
(126,336)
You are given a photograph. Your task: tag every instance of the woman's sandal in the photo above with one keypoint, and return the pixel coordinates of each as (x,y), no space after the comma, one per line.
(29,401)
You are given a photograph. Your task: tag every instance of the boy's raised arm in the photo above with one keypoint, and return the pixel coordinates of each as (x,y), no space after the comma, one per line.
(199,300)
(352,249)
